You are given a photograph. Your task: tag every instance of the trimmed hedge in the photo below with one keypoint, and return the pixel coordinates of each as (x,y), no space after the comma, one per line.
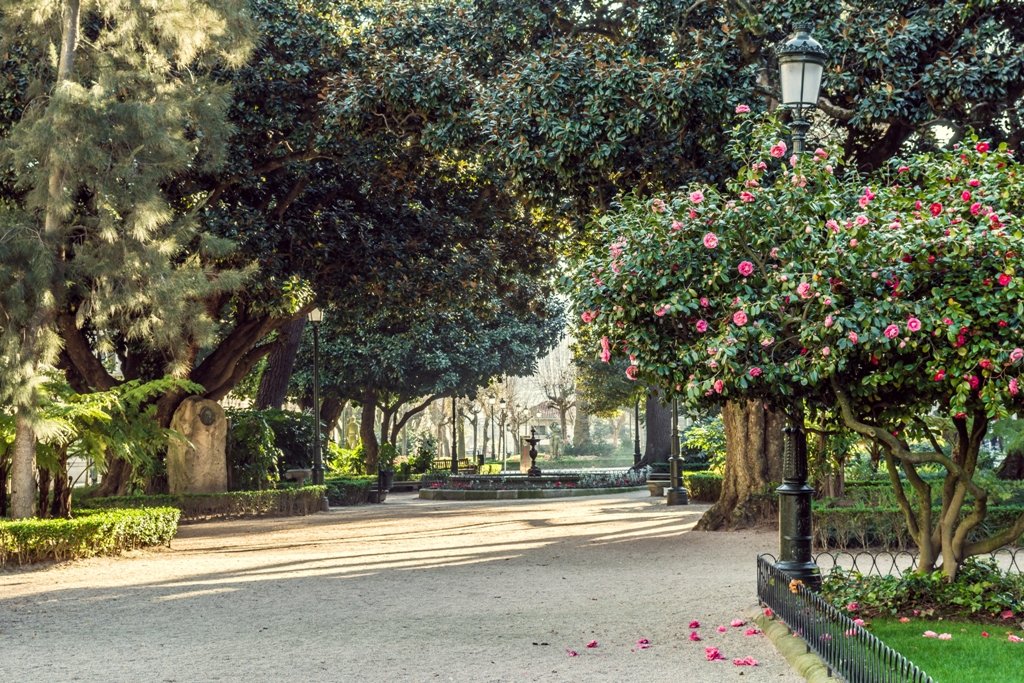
(198,506)
(705,487)
(350,490)
(90,533)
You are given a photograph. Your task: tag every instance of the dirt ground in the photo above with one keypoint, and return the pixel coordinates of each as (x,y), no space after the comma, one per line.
(409,590)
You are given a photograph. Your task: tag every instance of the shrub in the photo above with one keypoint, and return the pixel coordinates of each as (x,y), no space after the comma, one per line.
(348,461)
(198,506)
(705,487)
(601,450)
(980,590)
(252,451)
(424,454)
(349,490)
(89,533)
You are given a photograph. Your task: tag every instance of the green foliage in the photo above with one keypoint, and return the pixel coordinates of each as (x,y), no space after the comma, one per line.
(704,487)
(350,461)
(704,441)
(422,459)
(980,590)
(349,490)
(200,506)
(293,435)
(252,451)
(107,532)
(386,456)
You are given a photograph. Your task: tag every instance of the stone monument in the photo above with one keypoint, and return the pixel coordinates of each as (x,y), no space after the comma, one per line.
(196,463)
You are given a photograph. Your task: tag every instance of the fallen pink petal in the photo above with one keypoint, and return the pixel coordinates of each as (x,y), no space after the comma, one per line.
(712,654)
(592,644)
(752,632)
(1007,614)
(1013,639)
(859,621)
(572,653)
(904,620)
(945,636)
(694,624)
(643,641)
(851,632)
(721,629)
(984,634)
(768,612)
(694,636)
(736,623)
(930,634)
(745,661)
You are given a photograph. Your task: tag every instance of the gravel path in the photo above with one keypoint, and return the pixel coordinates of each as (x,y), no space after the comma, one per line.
(406,591)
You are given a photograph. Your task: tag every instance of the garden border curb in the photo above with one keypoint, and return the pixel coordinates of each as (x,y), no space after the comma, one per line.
(796,652)
(518,494)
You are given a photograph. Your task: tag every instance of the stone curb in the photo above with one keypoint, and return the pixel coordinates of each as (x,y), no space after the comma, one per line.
(795,650)
(514,494)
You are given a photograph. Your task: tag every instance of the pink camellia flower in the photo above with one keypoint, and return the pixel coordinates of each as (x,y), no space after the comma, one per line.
(592,644)
(746,197)
(745,268)
(861,220)
(892,331)
(712,654)
(631,372)
(935,209)
(1016,355)
(755,372)
(820,153)
(852,606)
(1004,279)
(827,301)
(694,636)
(973,382)
(752,632)
(965,195)
(829,321)
(945,636)
(985,363)
(804,290)
(677,226)
(711,240)
(736,623)
(1013,387)
(859,621)
(739,318)
(721,629)
(826,351)
(902,169)
(975,208)
(930,634)
(793,159)
(694,624)
(704,303)
(1014,639)
(852,336)
(760,165)
(702,326)
(643,643)
(904,620)
(588,316)
(572,653)
(940,375)
(982,147)
(984,634)
(832,225)
(895,225)
(745,661)
(974,182)
(696,196)
(768,612)
(742,109)
(853,242)
(863,201)
(773,252)
(658,206)
(913,324)
(778,150)
(660,311)
(719,386)
(606,349)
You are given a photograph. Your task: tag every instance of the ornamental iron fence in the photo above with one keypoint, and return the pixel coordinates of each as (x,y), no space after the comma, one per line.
(848,649)
(900,562)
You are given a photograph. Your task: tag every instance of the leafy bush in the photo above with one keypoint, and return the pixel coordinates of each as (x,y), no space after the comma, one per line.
(106,532)
(980,590)
(198,506)
(293,434)
(601,450)
(252,451)
(347,461)
(705,487)
(386,456)
(424,453)
(705,442)
(349,490)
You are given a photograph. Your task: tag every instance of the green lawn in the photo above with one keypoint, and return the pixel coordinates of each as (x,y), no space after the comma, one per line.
(967,656)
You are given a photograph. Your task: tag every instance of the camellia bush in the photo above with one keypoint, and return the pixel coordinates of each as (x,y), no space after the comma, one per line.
(890,299)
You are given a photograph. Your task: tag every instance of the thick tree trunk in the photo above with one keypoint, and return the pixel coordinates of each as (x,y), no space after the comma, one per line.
(658,440)
(331,409)
(280,364)
(367,432)
(1012,466)
(43,493)
(23,465)
(753,465)
(581,429)
(117,479)
(60,504)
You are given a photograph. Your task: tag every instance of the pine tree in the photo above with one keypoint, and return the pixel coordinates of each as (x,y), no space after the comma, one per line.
(114,99)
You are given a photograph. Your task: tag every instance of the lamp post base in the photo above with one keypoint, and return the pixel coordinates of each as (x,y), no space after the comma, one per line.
(677,497)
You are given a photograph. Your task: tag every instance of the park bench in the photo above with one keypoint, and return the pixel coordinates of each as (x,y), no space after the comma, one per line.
(466,466)
(657,482)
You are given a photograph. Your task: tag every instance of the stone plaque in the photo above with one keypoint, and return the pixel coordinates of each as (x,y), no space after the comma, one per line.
(196,462)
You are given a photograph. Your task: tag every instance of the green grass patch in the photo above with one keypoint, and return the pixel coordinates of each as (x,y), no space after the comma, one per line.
(966,656)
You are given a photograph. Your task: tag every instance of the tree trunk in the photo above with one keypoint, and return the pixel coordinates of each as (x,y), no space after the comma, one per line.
(1012,466)
(23,465)
(753,465)
(43,494)
(5,472)
(280,364)
(581,429)
(331,409)
(117,479)
(60,505)
(658,441)
(367,433)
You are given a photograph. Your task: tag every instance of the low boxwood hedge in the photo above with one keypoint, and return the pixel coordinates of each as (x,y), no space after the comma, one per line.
(198,506)
(89,533)
(704,487)
(349,490)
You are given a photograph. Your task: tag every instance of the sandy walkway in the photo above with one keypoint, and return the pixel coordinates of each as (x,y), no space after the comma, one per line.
(406,591)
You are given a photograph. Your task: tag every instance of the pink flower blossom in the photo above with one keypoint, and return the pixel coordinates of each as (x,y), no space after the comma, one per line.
(768,612)
(736,623)
(1014,639)
(826,351)
(892,331)
(755,371)
(712,654)
(832,225)
(742,109)
(1004,279)
(660,311)
(973,381)
(904,620)
(745,661)
(677,226)
(974,182)
(572,653)
(1013,387)
(930,634)
(696,196)
(829,320)
(592,644)
(588,316)
(852,606)
(746,197)
(760,165)
(853,242)
(820,153)
(852,336)
(804,290)
(859,621)
(984,634)
(945,636)
(631,372)
(721,629)
(739,318)
(778,150)
(643,644)
(773,252)
(711,240)
(935,208)
(982,147)
(902,169)
(965,195)
(658,206)
(745,268)
(793,159)
(940,375)
(752,632)
(861,220)
(702,326)
(606,349)
(719,386)
(913,324)
(694,636)
(975,208)
(694,624)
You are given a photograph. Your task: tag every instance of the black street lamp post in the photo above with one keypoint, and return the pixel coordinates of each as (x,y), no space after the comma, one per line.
(476,420)
(315,317)
(676,494)
(501,433)
(801,63)
(636,432)
(491,400)
(455,436)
